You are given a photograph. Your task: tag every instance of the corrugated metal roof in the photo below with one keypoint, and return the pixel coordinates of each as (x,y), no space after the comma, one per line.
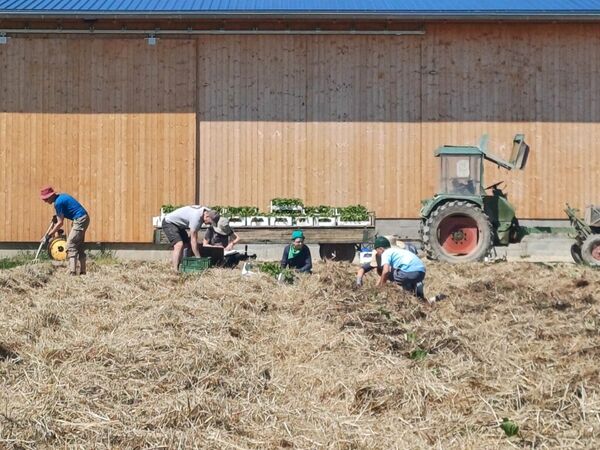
(404,8)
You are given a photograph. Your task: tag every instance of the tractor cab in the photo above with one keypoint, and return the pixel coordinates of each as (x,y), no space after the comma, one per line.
(460,170)
(462,221)
(461,167)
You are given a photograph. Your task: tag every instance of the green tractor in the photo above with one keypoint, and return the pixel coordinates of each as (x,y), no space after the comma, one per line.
(463,220)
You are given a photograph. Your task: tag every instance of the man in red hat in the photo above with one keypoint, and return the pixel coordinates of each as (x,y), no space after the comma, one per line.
(67,207)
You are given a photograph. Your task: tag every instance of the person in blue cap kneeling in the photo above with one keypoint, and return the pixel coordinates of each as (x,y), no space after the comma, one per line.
(297,255)
(400,266)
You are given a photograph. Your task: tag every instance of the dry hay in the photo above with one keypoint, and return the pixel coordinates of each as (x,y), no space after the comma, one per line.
(133,356)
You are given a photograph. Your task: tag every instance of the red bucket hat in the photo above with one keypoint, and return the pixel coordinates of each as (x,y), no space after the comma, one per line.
(46,192)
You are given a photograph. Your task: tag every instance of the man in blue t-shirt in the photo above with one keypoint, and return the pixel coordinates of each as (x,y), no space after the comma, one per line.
(68,208)
(400,266)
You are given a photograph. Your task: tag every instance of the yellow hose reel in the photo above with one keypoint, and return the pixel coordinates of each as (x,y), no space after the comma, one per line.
(57,248)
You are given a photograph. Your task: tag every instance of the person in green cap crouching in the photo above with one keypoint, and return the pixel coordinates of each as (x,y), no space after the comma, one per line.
(297,255)
(400,266)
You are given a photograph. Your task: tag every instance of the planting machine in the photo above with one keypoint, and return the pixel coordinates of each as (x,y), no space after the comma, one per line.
(465,218)
(586,249)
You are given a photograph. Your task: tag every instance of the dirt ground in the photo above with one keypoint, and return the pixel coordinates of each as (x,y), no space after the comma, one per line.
(134,356)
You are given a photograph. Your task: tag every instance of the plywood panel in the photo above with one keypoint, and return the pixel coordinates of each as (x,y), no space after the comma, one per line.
(111,121)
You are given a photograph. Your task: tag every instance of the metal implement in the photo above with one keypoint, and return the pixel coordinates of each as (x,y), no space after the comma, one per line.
(44,239)
(462,221)
(586,249)
(57,246)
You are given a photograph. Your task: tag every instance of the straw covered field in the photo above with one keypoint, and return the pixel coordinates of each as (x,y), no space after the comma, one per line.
(134,356)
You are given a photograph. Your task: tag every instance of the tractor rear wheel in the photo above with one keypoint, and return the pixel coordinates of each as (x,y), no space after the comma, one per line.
(337,252)
(576,254)
(590,250)
(457,231)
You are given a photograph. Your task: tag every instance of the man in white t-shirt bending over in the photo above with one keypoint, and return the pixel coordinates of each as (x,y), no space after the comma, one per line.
(400,266)
(176,224)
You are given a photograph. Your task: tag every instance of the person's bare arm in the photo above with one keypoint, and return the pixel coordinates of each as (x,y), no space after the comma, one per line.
(57,226)
(235,240)
(384,275)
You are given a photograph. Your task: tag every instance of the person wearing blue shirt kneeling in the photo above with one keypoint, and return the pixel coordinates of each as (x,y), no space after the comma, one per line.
(400,266)
(69,208)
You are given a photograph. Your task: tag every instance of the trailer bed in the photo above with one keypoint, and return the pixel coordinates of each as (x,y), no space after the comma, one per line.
(281,235)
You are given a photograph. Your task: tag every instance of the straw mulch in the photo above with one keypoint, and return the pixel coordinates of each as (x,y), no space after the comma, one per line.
(134,356)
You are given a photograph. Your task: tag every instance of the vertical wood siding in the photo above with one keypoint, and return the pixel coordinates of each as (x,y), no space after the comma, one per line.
(331,119)
(87,116)
(541,80)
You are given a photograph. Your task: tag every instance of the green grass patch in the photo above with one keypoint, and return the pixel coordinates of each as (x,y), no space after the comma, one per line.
(418,354)
(9,263)
(20,259)
(104,257)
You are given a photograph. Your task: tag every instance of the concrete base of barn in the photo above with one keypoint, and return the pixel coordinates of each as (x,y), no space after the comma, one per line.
(533,248)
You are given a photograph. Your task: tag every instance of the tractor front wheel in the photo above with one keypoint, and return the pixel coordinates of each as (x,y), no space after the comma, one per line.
(590,250)
(457,231)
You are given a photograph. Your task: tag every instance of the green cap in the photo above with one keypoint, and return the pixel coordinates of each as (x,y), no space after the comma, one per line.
(382,242)
(298,234)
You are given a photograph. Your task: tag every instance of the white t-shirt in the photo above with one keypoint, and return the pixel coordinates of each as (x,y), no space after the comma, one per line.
(187,217)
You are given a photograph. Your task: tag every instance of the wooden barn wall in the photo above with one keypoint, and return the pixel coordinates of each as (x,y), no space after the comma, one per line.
(88,117)
(538,79)
(330,119)
(339,120)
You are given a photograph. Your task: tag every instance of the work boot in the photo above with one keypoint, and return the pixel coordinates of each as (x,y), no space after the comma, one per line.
(82,265)
(420,290)
(72,265)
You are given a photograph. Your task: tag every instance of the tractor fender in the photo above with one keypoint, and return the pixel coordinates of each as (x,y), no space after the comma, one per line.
(438,200)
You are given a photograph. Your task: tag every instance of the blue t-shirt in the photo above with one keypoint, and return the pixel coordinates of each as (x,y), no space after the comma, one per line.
(67,206)
(402,259)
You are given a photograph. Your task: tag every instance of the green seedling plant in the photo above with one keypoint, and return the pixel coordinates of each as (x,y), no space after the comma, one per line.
(168,208)
(319,211)
(354,213)
(418,354)
(509,427)
(274,269)
(285,203)
(241,211)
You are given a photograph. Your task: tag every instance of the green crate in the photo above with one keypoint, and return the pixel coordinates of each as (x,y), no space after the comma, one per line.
(193,264)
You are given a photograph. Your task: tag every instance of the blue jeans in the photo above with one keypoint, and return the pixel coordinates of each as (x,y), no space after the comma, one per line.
(408,280)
